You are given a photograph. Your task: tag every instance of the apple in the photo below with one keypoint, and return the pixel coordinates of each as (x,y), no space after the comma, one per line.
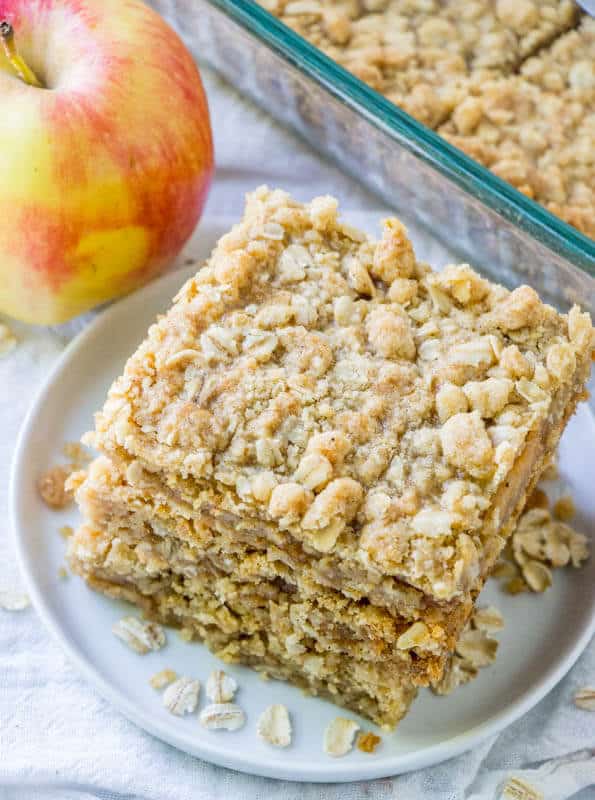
(106,153)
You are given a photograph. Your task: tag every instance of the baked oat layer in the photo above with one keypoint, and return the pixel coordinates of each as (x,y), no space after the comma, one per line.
(421,54)
(264,624)
(508,82)
(335,388)
(537,129)
(190,547)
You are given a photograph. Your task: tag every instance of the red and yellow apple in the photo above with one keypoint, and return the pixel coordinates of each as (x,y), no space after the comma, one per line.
(106,164)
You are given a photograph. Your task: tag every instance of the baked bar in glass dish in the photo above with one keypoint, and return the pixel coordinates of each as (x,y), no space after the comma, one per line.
(315,457)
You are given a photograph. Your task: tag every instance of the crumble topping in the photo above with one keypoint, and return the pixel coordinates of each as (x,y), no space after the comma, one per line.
(536,130)
(368,742)
(507,82)
(420,53)
(286,383)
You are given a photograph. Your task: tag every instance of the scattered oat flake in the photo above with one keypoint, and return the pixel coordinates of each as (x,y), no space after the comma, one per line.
(368,742)
(140,635)
(162,678)
(51,487)
(564,508)
(274,726)
(505,569)
(77,453)
(457,672)
(476,647)
(7,339)
(488,619)
(181,696)
(62,573)
(220,687)
(518,789)
(14,601)
(537,576)
(585,698)
(66,531)
(222,716)
(339,736)
(516,586)
(185,634)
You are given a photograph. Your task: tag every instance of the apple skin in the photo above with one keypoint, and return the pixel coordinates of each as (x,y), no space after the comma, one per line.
(104,173)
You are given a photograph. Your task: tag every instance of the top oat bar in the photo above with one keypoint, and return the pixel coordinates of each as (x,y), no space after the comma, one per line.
(334,385)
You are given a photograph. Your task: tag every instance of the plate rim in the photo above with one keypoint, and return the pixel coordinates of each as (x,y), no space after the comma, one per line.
(334,771)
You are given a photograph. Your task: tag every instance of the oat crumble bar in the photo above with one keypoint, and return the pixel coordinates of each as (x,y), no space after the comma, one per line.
(315,457)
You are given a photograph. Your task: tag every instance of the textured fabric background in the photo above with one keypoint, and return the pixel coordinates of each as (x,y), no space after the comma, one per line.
(60,741)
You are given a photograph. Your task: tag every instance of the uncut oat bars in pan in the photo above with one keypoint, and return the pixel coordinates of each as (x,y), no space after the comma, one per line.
(315,457)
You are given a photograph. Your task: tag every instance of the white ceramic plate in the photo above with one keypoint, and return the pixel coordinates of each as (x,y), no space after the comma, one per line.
(543,636)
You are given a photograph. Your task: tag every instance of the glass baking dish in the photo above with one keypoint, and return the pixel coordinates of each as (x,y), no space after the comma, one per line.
(478,216)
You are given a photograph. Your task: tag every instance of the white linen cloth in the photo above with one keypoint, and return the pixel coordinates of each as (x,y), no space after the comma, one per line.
(59,740)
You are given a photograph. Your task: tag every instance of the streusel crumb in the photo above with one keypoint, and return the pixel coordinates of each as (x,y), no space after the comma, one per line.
(52,489)
(367,742)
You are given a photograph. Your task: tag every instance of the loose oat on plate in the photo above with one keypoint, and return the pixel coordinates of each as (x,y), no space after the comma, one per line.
(585,698)
(12,600)
(274,726)
(140,635)
(181,696)
(339,736)
(222,716)
(163,678)
(316,456)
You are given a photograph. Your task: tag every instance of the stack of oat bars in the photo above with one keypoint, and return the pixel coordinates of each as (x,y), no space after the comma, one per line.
(315,457)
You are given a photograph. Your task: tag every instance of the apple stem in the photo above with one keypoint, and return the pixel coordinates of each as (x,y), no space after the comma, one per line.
(21,69)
